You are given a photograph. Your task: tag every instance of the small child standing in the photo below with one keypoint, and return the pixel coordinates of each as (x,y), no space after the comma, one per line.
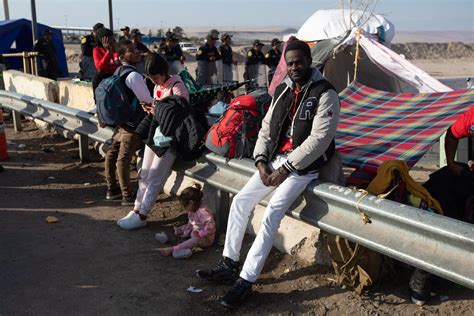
(201,227)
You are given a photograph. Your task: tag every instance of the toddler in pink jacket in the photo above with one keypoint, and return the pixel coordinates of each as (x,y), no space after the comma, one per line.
(201,227)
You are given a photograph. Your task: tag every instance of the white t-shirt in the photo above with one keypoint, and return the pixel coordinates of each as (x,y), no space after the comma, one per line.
(136,83)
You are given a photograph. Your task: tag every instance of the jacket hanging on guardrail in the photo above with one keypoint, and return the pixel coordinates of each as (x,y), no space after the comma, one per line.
(176,119)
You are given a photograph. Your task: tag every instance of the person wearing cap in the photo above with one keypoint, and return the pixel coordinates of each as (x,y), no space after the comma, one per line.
(227,57)
(125,141)
(255,58)
(48,66)
(206,57)
(173,54)
(105,55)
(272,58)
(136,37)
(86,65)
(125,34)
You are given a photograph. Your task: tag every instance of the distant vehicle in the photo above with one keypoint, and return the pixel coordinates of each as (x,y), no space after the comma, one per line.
(188,47)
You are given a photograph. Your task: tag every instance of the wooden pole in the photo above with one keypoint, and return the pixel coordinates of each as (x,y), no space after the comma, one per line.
(111,16)
(356,59)
(6,11)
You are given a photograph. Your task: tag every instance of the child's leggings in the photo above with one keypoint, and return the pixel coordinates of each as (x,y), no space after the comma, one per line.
(195,242)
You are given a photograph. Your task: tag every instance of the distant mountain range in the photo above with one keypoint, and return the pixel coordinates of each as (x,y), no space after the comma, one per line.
(434,37)
(266,33)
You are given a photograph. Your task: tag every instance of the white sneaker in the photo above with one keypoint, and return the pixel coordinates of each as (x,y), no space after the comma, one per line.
(182,253)
(132,222)
(125,217)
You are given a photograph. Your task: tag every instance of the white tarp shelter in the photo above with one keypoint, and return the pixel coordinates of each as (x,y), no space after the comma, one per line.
(333,52)
(326,24)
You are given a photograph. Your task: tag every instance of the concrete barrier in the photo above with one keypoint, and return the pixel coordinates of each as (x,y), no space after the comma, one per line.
(78,95)
(34,86)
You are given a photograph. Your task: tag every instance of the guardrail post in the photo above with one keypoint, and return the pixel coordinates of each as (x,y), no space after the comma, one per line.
(222,211)
(16,121)
(83,148)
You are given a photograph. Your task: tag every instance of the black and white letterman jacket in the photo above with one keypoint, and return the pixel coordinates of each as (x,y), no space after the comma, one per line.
(313,128)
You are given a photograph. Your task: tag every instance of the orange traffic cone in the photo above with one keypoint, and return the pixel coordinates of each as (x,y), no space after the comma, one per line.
(3,139)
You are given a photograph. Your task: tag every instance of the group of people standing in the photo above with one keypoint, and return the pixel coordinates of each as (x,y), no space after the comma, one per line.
(102,40)
(208,55)
(215,61)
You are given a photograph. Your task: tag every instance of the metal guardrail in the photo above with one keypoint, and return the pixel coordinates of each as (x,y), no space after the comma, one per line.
(440,245)
(80,122)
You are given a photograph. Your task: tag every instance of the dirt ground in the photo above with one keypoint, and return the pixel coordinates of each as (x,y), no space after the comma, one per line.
(84,264)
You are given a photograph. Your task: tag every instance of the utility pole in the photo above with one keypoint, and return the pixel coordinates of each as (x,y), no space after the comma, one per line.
(34,25)
(111,16)
(5,10)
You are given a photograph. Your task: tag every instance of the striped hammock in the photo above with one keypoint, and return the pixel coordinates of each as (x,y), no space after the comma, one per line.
(375,126)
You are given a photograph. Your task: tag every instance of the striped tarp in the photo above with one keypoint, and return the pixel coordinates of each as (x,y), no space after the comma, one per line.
(375,126)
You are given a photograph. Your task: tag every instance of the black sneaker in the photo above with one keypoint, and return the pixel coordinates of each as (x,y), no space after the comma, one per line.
(226,271)
(419,286)
(128,201)
(237,294)
(113,195)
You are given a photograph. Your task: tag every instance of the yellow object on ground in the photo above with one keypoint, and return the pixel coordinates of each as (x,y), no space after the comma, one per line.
(52,219)
(385,175)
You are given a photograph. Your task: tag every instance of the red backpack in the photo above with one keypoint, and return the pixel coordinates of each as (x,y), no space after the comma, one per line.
(234,135)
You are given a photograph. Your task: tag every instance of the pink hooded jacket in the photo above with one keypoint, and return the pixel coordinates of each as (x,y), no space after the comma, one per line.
(201,221)
(173,86)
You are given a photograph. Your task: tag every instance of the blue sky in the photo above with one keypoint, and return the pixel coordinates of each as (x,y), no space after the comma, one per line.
(415,15)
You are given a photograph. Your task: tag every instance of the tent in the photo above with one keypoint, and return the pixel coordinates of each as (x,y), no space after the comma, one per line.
(16,37)
(326,24)
(333,40)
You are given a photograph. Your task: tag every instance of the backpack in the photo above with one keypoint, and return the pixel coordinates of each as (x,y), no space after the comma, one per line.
(234,135)
(115,104)
(357,267)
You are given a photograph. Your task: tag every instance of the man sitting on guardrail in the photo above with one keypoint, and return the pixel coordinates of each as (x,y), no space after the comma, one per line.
(295,141)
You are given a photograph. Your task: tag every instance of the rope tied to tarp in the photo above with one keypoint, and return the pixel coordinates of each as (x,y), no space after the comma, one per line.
(356,58)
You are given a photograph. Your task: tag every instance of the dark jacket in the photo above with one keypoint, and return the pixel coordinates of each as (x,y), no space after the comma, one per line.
(312,131)
(87,45)
(176,119)
(254,57)
(45,50)
(171,54)
(227,54)
(207,51)
(272,58)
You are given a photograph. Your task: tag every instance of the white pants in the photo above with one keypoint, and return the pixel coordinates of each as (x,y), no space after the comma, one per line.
(153,175)
(242,206)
